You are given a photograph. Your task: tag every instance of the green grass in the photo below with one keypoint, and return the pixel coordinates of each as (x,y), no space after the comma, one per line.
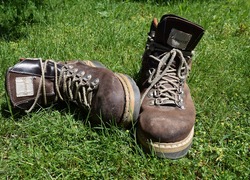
(57,143)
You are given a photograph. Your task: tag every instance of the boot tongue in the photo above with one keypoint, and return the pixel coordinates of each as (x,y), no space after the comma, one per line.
(176,32)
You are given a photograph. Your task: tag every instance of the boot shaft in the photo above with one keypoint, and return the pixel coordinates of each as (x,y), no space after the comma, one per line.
(172,32)
(173,38)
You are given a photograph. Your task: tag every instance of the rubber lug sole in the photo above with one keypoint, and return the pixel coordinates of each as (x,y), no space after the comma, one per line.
(174,150)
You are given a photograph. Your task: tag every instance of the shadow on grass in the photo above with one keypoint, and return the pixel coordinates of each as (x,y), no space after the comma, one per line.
(18,15)
(79,113)
(11,32)
(102,129)
(13,113)
(9,112)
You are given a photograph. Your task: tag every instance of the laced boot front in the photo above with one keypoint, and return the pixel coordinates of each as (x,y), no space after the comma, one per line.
(166,121)
(107,95)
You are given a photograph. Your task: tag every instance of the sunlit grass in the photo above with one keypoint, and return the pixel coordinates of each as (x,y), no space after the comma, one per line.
(58,143)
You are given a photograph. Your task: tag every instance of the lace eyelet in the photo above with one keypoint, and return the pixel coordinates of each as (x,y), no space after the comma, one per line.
(151,94)
(158,101)
(70,67)
(82,73)
(95,83)
(87,78)
(157,93)
(75,70)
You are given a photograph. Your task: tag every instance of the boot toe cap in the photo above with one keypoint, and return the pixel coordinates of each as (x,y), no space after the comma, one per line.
(166,127)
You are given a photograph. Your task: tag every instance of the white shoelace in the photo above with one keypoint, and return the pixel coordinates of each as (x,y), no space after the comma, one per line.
(167,80)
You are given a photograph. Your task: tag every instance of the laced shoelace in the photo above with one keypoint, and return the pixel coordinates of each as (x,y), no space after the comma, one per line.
(167,80)
(74,86)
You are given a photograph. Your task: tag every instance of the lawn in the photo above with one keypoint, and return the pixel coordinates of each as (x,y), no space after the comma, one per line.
(58,142)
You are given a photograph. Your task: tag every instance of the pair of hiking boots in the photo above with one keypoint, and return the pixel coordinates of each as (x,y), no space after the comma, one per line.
(162,106)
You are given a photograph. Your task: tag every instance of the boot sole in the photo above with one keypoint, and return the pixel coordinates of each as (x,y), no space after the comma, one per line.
(174,150)
(132,99)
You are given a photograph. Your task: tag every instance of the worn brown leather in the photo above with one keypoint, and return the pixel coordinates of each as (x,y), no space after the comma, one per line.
(167,123)
(109,100)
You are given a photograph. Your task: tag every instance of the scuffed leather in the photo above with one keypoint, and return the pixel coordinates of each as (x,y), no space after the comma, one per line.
(166,123)
(108,100)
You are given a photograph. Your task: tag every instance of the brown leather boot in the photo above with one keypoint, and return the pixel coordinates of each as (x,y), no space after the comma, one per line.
(109,96)
(166,121)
